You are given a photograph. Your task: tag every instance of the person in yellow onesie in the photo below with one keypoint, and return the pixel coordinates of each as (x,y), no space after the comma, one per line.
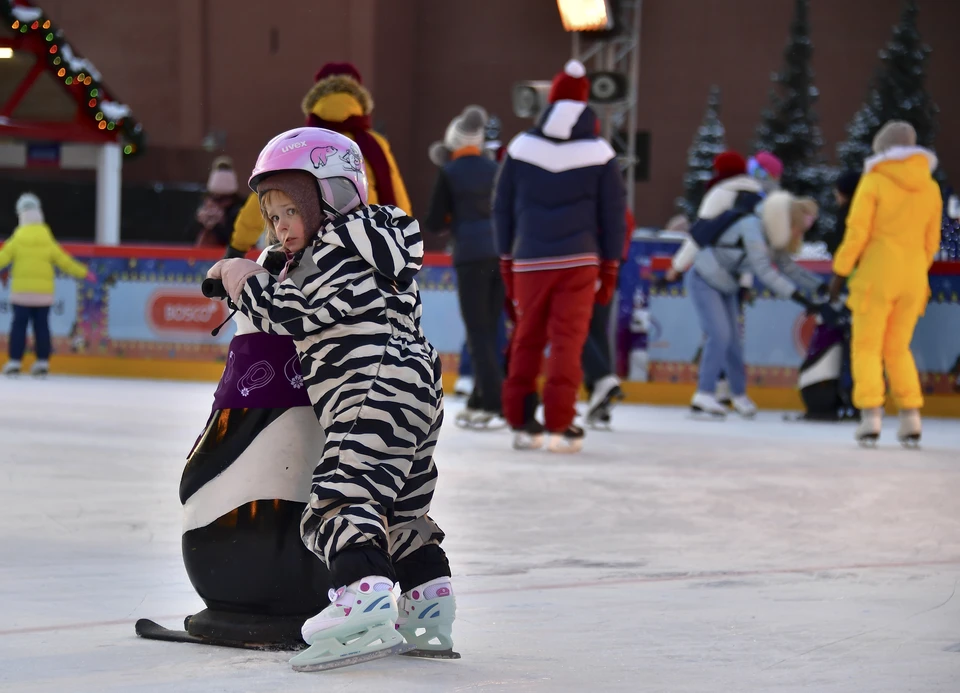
(892,236)
(337,101)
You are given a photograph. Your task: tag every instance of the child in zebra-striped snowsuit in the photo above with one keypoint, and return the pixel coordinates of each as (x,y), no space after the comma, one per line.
(349,300)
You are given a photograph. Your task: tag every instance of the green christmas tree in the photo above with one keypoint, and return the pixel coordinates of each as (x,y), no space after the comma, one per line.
(897,93)
(789,127)
(707,144)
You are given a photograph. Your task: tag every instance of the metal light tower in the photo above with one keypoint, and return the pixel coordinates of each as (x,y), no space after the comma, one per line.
(619,53)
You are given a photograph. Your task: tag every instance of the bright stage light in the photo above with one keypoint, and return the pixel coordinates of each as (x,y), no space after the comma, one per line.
(6,53)
(585,15)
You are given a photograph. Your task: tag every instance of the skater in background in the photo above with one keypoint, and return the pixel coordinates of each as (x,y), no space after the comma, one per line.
(221,204)
(559,211)
(460,202)
(762,242)
(337,101)
(350,302)
(33,253)
(892,237)
(731,187)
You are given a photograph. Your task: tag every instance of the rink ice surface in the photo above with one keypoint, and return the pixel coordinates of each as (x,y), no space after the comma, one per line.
(671,555)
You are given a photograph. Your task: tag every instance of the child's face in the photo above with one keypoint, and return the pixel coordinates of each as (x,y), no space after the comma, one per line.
(287,222)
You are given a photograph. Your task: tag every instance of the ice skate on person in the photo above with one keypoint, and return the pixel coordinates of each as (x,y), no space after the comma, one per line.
(426,619)
(910,428)
(530,437)
(868,431)
(487,420)
(600,420)
(359,625)
(706,405)
(480,420)
(744,406)
(606,392)
(464,417)
(568,441)
(40,368)
(11,368)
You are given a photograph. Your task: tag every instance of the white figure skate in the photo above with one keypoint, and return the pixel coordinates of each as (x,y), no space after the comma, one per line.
(705,406)
(868,432)
(11,368)
(359,625)
(606,393)
(40,369)
(480,420)
(426,619)
(910,428)
(744,406)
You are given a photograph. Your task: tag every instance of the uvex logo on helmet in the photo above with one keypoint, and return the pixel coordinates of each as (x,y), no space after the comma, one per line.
(294,145)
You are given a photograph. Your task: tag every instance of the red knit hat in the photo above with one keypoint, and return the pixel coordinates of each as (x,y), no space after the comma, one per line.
(346,69)
(571,84)
(729,164)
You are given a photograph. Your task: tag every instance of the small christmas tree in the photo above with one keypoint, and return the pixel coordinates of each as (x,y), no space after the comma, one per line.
(789,127)
(707,144)
(897,93)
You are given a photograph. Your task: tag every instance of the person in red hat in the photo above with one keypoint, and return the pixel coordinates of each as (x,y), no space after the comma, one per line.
(337,101)
(559,211)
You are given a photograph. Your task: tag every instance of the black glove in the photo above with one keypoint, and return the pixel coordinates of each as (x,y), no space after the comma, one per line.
(233,252)
(809,306)
(746,296)
(823,291)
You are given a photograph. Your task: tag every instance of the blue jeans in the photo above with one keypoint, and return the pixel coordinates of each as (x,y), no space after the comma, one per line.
(723,348)
(22,316)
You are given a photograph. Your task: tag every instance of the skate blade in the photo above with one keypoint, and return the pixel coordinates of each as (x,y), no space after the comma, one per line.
(355,659)
(565,448)
(432,654)
(869,440)
(701,415)
(911,442)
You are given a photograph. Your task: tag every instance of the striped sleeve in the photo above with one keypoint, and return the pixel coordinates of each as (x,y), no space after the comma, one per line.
(323,299)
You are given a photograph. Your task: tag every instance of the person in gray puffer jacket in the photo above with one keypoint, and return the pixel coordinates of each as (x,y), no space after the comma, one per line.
(761,243)
(461,202)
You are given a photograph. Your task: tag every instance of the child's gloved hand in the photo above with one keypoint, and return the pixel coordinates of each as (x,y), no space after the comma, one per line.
(234,273)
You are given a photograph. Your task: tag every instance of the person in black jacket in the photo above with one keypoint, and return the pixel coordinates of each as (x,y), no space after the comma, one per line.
(461,203)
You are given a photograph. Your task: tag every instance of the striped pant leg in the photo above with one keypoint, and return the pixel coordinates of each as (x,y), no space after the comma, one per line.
(411,528)
(368,455)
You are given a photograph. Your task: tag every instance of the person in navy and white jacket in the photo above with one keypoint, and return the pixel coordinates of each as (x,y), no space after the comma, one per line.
(559,210)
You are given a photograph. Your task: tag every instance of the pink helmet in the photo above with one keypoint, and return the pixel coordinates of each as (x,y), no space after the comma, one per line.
(320,152)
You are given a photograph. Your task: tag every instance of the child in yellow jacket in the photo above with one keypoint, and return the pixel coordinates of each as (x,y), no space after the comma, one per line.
(892,236)
(34,253)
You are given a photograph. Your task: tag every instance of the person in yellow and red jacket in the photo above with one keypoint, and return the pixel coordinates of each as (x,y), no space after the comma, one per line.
(337,101)
(33,252)
(892,236)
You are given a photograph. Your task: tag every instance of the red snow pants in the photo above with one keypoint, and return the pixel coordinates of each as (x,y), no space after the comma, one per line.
(553,307)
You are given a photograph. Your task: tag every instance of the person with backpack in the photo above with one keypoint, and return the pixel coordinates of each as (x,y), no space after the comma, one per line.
(760,240)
